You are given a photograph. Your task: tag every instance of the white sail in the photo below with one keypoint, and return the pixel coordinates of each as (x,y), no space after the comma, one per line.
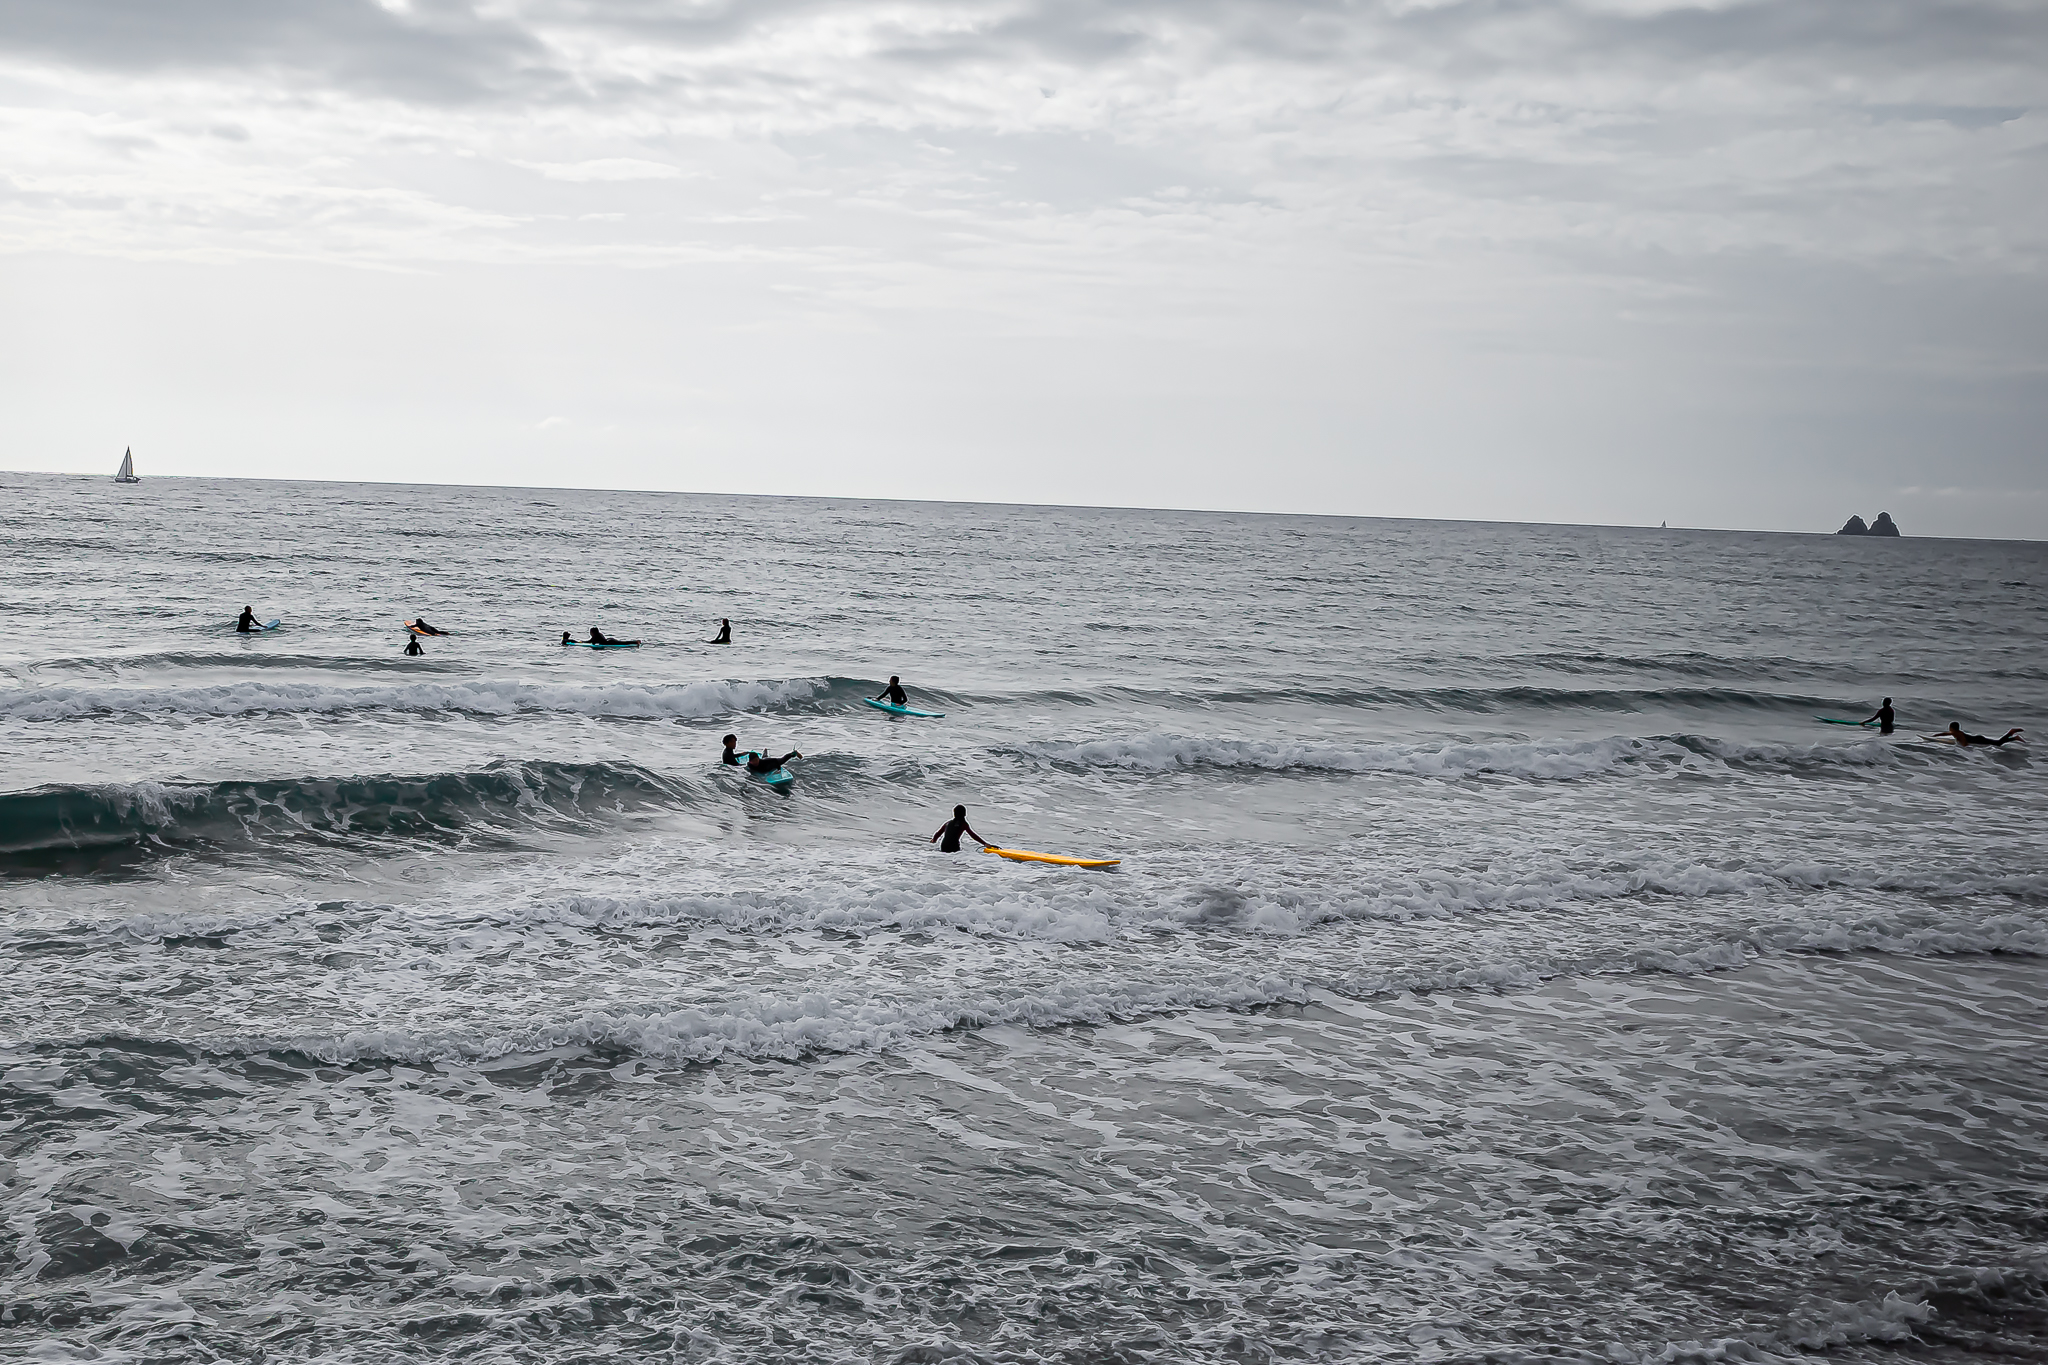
(126,473)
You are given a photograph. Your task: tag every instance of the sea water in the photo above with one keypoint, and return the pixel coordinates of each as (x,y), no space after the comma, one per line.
(1504,963)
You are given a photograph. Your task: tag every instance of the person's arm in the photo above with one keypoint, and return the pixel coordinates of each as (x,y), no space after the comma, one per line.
(1875,717)
(977,838)
(936,833)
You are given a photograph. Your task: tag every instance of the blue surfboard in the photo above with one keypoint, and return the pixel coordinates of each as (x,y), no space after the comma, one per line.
(896,710)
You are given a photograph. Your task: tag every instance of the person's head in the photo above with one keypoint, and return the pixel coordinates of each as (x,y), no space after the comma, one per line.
(246,611)
(723,622)
(959,812)
(731,740)
(1887,701)
(1955,727)
(894,679)
(565,637)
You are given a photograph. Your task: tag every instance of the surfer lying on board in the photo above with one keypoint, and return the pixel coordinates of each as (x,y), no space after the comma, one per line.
(756,763)
(412,645)
(724,633)
(894,692)
(598,637)
(420,624)
(954,828)
(1884,717)
(1955,732)
(247,622)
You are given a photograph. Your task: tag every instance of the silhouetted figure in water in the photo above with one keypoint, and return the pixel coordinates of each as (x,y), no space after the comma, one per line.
(756,762)
(565,638)
(412,645)
(953,829)
(247,622)
(724,633)
(2012,736)
(423,628)
(1884,717)
(894,692)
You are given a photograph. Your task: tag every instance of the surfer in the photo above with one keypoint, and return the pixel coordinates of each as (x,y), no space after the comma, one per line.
(412,645)
(1956,733)
(1884,717)
(420,625)
(565,638)
(953,829)
(598,637)
(756,762)
(724,633)
(894,692)
(247,622)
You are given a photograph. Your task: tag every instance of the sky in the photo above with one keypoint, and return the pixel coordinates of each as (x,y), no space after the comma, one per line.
(1745,264)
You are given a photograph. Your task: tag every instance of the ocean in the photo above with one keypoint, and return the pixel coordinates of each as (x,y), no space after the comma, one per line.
(1503,964)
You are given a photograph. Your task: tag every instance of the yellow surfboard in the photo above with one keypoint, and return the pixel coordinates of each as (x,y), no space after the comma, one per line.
(1018,855)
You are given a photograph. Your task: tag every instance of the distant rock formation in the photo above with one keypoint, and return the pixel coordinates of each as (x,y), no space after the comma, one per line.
(1883,526)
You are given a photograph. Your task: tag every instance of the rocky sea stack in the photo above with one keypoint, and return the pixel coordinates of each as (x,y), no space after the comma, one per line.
(1883,526)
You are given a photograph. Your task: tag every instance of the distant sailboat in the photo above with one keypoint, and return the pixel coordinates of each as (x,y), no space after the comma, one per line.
(126,473)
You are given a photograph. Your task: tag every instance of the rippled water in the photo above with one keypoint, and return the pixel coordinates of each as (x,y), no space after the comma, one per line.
(1503,964)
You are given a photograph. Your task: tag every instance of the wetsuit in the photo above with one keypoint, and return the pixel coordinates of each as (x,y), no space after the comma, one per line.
(724,633)
(1966,739)
(1884,719)
(412,645)
(949,841)
(895,693)
(597,637)
(246,622)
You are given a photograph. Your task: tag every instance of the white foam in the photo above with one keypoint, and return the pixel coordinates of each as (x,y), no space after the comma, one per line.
(762,1027)
(643,701)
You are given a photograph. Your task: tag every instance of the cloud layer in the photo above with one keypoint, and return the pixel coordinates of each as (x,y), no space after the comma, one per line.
(1735,177)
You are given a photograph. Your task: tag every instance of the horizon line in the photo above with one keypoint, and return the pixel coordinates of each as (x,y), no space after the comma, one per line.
(1042,506)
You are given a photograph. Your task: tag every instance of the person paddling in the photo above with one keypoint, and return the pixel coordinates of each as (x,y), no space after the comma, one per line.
(412,645)
(247,622)
(953,829)
(598,637)
(894,692)
(756,762)
(420,625)
(1956,733)
(1885,717)
(724,633)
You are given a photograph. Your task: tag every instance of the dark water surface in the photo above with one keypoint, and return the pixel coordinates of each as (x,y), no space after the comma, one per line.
(1504,963)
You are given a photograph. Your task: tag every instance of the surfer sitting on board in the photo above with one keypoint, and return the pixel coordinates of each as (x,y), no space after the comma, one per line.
(756,763)
(724,633)
(1955,732)
(894,692)
(412,645)
(1884,717)
(247,622)
(953,829)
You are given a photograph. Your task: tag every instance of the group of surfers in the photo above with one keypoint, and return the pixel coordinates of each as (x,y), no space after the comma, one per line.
(1886,719)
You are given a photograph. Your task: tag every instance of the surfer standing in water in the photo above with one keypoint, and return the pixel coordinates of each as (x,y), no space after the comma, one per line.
(894,692)
(1955,732)
(953,829)
(412,645)
(756,763)
(724,633)
(247,622)
(1884,717)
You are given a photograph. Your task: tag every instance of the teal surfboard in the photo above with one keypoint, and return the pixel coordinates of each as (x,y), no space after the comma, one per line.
(1830,720)
(896,710)
(614,644)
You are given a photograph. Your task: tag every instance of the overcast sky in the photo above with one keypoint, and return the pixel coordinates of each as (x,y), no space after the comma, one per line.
(1726,264)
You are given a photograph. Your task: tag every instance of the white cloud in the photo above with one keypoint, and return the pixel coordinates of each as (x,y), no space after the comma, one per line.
(607,168)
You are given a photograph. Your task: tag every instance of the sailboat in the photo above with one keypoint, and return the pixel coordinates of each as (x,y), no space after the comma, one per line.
(126,473)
